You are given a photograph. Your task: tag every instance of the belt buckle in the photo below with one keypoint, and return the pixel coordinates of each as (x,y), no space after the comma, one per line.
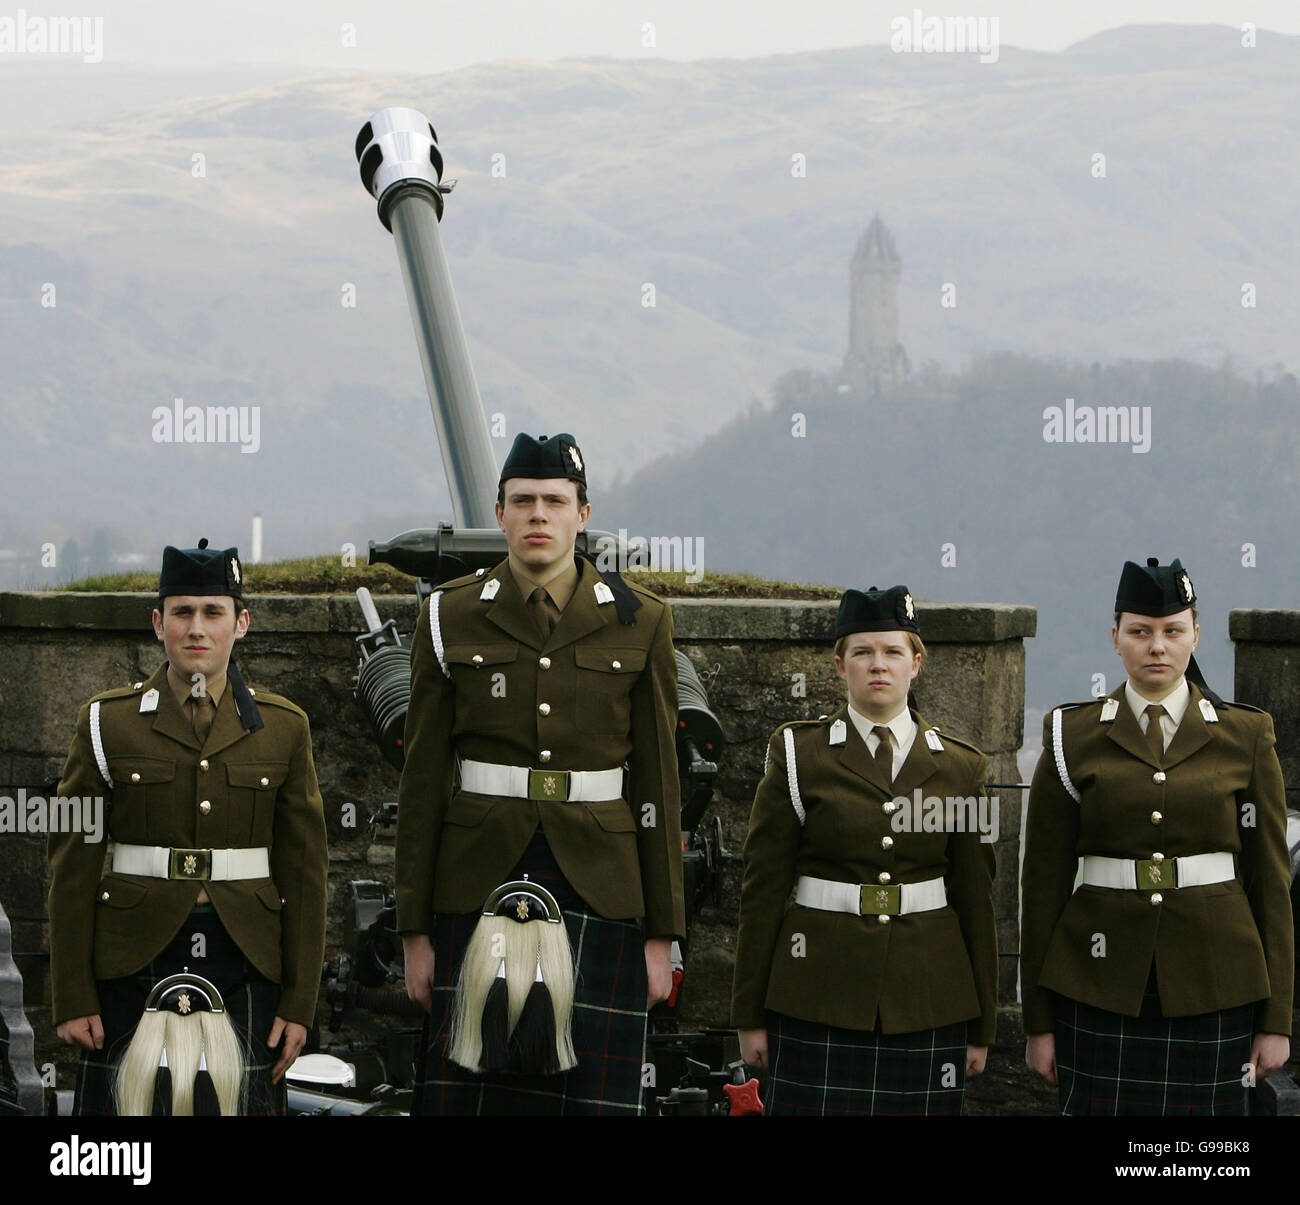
(1155,876)
(548,786)
(193,864)
(880,899)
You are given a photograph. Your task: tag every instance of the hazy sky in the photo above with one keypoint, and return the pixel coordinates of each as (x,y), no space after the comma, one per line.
(417,35)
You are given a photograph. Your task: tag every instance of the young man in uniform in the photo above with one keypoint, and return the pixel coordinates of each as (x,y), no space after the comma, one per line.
(532,687)
(219,856)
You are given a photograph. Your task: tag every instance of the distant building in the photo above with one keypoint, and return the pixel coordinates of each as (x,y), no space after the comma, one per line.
(875,360)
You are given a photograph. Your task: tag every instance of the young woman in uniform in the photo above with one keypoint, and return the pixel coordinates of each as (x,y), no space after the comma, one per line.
(875,991)
(1162,984)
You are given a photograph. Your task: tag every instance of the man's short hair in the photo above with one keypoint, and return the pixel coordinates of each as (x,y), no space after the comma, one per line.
(582,492)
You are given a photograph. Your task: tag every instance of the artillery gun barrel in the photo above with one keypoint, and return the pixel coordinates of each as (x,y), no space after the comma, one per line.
(401,167)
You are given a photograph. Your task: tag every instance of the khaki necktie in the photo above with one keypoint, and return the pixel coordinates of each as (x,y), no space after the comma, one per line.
(202,713)
(884,755)
(1155,733)
(545,613)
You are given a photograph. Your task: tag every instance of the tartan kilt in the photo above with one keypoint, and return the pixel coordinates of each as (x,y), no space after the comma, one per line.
(250,1001)
(819,1070)
(1110,1065)
(609,1029)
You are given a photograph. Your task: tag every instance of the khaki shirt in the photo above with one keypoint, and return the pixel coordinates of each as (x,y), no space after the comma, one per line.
(1214,946)
(918,971)
(598,694)
(239,790)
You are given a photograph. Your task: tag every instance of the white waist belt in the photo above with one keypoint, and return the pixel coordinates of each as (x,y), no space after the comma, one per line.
(557,786)
(212,865)
(1198,870)
(832,896)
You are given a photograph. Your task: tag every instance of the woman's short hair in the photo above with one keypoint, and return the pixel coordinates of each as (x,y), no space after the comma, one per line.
(918,645)
(1195,616)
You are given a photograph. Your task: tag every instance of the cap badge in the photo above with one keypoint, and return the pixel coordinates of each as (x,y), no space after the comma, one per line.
(234,569)
(908,608)
(573,455)
(1185,583)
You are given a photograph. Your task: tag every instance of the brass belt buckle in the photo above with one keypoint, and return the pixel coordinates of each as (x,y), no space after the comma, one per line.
(549,786)
(190,864)
(1155,876)
(878,899)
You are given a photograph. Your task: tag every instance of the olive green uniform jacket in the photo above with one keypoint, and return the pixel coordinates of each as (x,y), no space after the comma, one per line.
(593,696)
(239,790)
(1214,946)
(915,972)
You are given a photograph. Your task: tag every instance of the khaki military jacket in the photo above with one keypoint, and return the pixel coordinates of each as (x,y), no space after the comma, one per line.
(1214,946)
(916,971)
(598,694)
(239,790)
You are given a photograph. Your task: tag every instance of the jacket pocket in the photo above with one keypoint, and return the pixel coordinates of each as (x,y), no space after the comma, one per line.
(253,787)
(119,892)
(468,811)
(141,794)
(605,677)
(482,678)
(269,894)
(613,817)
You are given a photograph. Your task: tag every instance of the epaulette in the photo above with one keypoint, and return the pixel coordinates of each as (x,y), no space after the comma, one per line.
(119,692)
(1226,704)
(791,724)
(948,738)
(262,697)
(468,580)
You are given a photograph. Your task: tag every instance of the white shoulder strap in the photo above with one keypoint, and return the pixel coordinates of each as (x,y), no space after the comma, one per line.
(1058,748)
(435,630)
(97,743)
(792,775)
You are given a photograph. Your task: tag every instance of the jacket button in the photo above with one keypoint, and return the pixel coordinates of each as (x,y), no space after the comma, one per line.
(1157,898)
(137,686)
(886,842)
(283,900)
(545,755)
(1156,817)
(616,664)
(544,662)
(104,895)
(203,765)
(888,808)
(477,659)
(135,777)
(883,876)
(544,708)
(205,807)
(882,919)
(1157,857)
(266,782)
(1158,776)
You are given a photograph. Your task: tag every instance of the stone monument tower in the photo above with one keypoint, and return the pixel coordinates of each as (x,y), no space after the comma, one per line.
(875,360)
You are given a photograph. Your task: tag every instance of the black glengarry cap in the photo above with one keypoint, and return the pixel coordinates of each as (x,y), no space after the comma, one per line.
(543,457)
(875,610)
(1155,589)
(201,571)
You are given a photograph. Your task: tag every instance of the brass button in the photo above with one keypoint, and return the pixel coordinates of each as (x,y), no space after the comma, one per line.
(135,777)
(883,876)
(203,765)
(205,807)
(283,900)
(477,659)
(1157,898)
(104,895)
(545,755)
(1157,857)
(617,664)
(266,782)
(888,808)
(886,842)
(544,662)
(1156,817)
(251,691)
(137,686)
(1158,776)
(882,919)
(544,708)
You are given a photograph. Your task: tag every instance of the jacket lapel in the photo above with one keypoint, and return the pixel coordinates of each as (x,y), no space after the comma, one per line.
(171,720)
(226,727)
(920,763)
(583,614)
(1193,732)
(1124,730)
(855,756)
(509,609)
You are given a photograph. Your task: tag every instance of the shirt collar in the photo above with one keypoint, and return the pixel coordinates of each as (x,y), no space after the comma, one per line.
(560,589)
(1174,703)
(181,689)
(902,725)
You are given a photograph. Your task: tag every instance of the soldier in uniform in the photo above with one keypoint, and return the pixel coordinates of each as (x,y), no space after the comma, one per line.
(533,686)
(219,855)
(1162,984)
(875,992)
